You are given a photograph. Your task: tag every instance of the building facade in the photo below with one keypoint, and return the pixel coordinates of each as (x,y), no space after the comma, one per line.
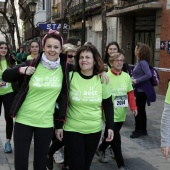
(145,21)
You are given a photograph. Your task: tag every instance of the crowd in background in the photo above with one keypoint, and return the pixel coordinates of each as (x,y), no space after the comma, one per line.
(67,93)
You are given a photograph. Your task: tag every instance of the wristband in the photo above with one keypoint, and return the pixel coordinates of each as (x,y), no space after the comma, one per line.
(26,69)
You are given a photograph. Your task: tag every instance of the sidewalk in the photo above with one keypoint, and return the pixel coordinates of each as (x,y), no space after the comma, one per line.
(140,154)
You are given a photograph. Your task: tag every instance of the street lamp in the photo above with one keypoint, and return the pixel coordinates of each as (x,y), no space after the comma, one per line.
(83,21)
(32,8)
(12,22)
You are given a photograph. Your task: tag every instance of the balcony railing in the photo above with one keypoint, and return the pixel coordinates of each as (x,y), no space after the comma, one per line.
(90,3)
(126,3)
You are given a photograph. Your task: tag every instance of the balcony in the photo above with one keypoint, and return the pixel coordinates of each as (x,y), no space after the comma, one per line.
(91,4)
(135,7)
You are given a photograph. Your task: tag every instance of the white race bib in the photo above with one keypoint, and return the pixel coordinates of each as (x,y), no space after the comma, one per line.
(121,101)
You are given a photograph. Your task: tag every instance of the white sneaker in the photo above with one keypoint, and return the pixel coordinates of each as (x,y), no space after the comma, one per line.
(102,156)
(111,152)
(58,157)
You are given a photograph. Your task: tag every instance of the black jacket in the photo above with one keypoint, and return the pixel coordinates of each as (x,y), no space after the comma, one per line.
(13,75)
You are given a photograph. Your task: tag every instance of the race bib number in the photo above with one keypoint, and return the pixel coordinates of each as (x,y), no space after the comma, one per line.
(121,101)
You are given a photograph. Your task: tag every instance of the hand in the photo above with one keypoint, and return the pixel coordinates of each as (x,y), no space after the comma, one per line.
(110,135)
(135,112)
(2,83)
(133,81)
(165,151)
(59,134)
(104,77)
(28,70)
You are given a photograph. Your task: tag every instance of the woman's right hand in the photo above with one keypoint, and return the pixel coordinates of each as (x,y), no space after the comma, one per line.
(2,83)
(110,135)
(27,70)
(59,134)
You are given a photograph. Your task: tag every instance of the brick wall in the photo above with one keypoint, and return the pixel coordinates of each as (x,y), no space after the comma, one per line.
(164,56)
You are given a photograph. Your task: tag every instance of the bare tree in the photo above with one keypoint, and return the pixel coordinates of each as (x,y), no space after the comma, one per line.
(4,13)
(15,21)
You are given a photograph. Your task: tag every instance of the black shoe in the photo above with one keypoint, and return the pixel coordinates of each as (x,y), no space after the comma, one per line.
(136,134)
(145,133)
(49,163)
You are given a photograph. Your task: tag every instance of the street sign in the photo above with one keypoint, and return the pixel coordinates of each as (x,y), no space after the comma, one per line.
(53,26)
(46,27)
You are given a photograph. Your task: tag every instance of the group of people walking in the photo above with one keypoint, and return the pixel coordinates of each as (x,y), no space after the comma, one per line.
(62,97)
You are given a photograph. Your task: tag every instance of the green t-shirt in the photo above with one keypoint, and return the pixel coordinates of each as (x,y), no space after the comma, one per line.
(167,98)
(38,107)
(29,57)
(7,88)
(121,85)
(85,100)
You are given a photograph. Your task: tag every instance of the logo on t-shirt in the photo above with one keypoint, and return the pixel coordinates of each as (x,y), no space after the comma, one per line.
(119,91)
(86,95)
(46,82)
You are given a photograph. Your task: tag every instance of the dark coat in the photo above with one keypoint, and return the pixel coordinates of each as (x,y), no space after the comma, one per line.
(13,75)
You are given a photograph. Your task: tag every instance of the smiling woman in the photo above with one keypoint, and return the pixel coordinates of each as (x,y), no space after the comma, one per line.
(43,80)
(7,93)
(84,117)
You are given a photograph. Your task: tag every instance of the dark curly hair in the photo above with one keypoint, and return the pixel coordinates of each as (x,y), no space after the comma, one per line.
(144,52)
(99,65)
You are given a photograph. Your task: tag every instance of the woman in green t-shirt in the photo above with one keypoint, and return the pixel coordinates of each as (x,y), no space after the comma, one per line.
(43,84)
(87,96)
(122,96)
(34,50)
(7,93)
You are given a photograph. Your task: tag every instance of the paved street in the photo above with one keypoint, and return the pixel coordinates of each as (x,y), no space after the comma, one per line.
(140,154)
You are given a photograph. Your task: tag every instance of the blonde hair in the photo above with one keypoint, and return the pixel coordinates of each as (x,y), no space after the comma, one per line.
(115,55)
(69,47)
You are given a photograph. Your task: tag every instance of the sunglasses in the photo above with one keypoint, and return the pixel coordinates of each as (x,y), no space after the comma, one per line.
(70,56)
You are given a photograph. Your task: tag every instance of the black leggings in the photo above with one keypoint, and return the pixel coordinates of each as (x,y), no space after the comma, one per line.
(55,146)
(81,149)
(7,101)
(141,119)
(115,143)
(22,139)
